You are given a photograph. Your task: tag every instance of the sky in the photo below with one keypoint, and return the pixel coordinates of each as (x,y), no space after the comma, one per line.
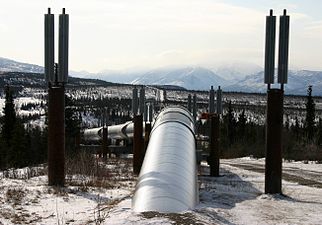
(141,34)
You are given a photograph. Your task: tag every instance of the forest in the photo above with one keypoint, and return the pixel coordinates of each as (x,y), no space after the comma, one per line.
(242,125)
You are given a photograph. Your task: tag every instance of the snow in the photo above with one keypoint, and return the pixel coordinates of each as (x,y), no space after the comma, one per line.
(239,194)
(236,197)
(21,101)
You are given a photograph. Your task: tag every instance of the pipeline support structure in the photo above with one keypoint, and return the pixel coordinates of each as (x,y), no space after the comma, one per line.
(275,97)
(56,76)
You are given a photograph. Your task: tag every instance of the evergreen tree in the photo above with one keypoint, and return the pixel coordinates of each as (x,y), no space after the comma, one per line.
(72,124)
(241,124)
(230,122)
(9,118)
(310,115)
(18,150)
(296,128)
(287,123)
(8,122)
(319,132)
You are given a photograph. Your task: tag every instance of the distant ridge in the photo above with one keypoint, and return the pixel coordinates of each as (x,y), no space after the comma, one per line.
(23,79)
(298,82)
(190,78)
(8,65)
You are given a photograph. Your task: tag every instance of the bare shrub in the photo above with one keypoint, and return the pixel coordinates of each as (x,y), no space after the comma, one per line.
(24,173)
(84,170)
(15,195)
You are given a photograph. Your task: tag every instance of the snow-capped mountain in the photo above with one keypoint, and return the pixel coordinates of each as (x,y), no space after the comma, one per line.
(8,65)
(298,82)
(236,70)
(192,78)
(115,76)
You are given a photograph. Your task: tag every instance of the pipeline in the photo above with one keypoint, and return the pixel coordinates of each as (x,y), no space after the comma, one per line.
(168,177)
(120,131)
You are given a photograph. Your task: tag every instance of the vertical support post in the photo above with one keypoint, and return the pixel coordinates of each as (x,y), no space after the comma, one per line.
(165,96)
(214,146)
(145,113)
(274,124)
(135,101)
(77,141)
(219,101)
(63,47)
(283,49)
(150,112)
(146,136)
(194,110)
(56,77)
(211,100)
(105,142)
(108,143)
(189,103)
(269,66)
(138,145)
(49,46)
(142,100)
(56,136)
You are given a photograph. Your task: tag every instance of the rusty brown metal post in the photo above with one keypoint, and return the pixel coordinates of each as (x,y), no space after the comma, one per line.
(146,136)
(274,125)
(108,149)
(77,141)
(138,144)
(105,142)
(56,136)
(214,146)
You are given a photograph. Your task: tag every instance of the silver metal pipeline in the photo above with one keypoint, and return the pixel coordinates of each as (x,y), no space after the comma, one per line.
(168,177)
(120,131)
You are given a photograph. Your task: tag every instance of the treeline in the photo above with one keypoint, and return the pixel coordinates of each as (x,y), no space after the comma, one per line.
(117,110)
(20,145)
(302,140)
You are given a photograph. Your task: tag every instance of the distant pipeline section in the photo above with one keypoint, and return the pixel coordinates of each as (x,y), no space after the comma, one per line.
(119,132)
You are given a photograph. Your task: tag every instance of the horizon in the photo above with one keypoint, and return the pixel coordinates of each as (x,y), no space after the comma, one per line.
(168,67)
(156,34)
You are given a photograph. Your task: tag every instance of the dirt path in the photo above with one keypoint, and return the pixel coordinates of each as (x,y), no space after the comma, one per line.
(293,174)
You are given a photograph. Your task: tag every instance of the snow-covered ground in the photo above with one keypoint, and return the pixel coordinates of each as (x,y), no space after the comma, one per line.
(236,197)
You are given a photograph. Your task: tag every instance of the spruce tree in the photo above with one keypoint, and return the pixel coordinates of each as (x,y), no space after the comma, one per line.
(18,150)
(9,118)
(72,121)
(8,122)
(296,128)
(310,115)
(230,122)
(241,125)
(34,136)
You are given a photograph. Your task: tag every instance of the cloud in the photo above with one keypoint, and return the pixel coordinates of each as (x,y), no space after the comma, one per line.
(126,33)
(170,53)
(314,30)
(3,27)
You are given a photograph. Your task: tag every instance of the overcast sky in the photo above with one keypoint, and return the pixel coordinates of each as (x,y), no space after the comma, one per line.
(124,34)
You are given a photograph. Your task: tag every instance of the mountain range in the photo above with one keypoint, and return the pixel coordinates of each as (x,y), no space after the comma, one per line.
(298,82)
(8,65)
(234,77)
(191,78)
